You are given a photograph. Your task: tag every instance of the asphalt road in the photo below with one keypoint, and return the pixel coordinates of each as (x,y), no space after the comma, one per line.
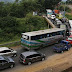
(48,51)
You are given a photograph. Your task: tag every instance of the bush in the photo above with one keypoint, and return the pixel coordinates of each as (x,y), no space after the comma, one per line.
(8,28)
(11,27)
(34,23)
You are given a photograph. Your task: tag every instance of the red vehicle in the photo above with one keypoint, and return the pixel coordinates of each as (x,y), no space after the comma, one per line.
(69,39)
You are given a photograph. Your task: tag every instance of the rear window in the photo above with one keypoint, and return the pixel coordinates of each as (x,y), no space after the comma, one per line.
(59,45)
(34,55)
(29,56)
(0,61)
(22,56)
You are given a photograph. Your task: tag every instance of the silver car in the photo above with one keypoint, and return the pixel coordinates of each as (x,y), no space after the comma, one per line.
(5,51)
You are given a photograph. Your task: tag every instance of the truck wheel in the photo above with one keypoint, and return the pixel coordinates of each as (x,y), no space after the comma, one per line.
(11,66)
(43,59)
(14,55)
(68,49)
(29,63)
(61,51)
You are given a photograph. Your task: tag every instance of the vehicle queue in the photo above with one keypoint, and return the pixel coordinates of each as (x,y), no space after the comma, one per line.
(34,40)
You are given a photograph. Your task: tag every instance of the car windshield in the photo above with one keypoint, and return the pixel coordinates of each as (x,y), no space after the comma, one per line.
(6,58)
(11,49)
(70,38)
(59,45)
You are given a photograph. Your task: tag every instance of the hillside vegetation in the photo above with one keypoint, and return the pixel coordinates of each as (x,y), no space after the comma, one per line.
(16,18)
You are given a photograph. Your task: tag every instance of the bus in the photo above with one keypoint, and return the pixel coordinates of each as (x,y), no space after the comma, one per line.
(41,38)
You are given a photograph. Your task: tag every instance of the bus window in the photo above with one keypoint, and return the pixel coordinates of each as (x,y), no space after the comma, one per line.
(58,33)
(63,32)
(41,37)
(33,38)
(53,34)
(38,36)
(44,35)
(48,35)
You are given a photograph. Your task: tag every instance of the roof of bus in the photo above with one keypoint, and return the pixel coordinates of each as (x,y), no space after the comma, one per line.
(34,33)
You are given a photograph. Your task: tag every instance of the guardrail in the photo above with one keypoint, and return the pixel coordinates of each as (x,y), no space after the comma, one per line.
(11,43)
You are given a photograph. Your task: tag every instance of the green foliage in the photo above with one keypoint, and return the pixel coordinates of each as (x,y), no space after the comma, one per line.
(31,23)
(50,4)
(67,9)
(8,28)
(16,18)
(69,16)
(20,9)
(11,27)
(35,22)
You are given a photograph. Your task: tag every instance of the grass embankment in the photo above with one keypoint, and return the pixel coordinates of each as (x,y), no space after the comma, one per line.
(12,33)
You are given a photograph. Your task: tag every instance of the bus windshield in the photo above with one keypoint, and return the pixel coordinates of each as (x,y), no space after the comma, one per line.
(25,37)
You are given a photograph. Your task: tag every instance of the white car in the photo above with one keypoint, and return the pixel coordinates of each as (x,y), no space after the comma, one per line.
(58,21)
(7,51)
(53,16)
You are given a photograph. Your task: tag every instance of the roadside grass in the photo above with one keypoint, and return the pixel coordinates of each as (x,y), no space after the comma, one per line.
(14,42)
(12,45)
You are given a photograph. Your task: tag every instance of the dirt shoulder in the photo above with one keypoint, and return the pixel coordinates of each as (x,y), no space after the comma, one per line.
(55,63)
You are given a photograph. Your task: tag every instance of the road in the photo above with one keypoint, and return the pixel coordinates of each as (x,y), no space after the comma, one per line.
(48,51)
(55,62)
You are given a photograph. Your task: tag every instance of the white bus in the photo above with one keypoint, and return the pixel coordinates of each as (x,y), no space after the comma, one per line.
(41,38)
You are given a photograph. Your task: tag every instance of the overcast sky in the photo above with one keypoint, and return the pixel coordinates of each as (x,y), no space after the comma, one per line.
(8,0)
(64,0)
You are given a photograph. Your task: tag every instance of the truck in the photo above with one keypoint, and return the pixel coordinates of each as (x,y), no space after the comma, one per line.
(62,46)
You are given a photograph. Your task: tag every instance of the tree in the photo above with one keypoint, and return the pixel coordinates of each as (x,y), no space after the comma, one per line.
(69,1)
(16,1)
(50,4)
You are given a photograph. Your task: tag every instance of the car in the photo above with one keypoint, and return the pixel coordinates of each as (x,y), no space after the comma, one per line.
(7,51)
(31,56)
(53,16)
(58,21)
(6,62)
(62,46)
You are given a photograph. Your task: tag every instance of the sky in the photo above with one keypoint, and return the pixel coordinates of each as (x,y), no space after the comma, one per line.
(7,0)
(64,0)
